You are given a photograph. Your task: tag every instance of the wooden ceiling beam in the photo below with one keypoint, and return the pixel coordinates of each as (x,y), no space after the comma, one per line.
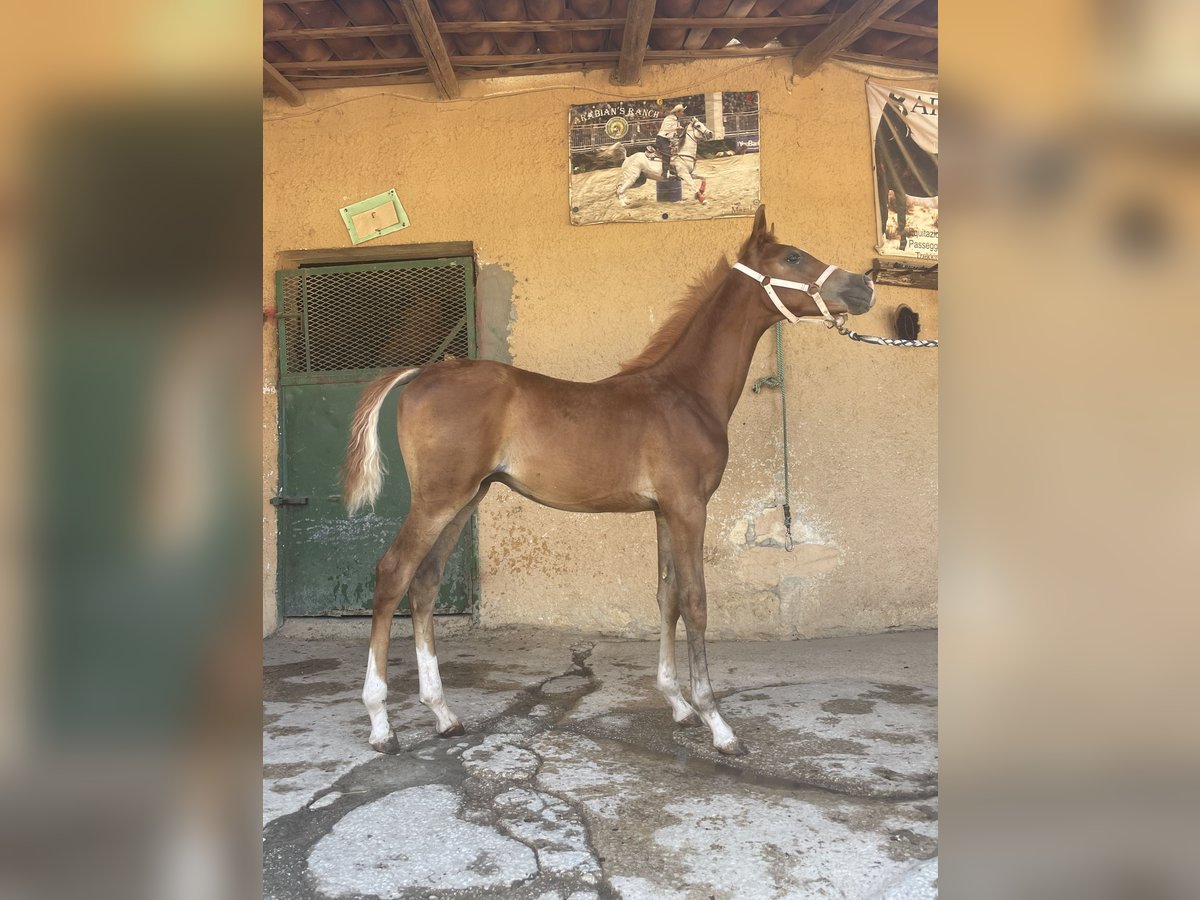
(489,68)
(273,79)
(839,34)
(432,47)
(333,65)
(463,75)
(307,84)
(633,44)
(369,31)
(505,60)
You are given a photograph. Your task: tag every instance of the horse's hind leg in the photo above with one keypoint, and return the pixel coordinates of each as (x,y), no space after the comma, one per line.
(421,595)
(686,528)
(668,608)
(625,183)
(397,567)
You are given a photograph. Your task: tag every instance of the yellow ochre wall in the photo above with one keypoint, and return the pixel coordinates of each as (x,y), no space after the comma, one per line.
(863,419)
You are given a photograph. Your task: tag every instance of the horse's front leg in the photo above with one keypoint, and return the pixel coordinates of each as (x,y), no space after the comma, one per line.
(668,608)
(686,528)
(685,175)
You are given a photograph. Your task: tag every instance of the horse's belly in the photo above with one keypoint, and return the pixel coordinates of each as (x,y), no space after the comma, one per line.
(576,489)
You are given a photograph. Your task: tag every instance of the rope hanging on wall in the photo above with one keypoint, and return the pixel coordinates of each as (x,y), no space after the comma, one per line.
(906,325)
(777,380)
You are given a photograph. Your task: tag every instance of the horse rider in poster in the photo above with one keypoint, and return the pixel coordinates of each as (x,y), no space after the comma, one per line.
(668,133)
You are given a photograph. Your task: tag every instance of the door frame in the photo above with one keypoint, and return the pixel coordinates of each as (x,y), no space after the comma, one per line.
(349,256)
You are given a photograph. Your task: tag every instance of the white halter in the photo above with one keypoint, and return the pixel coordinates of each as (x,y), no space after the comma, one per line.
(813,290)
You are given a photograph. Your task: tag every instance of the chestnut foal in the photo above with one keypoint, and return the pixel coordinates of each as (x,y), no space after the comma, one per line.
(652,438)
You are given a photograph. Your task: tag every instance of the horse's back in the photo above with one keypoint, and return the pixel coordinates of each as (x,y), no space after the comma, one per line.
(568,444)
(468,394)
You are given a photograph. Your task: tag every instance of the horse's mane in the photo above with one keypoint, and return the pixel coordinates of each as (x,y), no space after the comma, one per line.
(685,308)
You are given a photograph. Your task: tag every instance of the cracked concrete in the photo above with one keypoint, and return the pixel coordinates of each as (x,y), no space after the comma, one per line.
(574,783)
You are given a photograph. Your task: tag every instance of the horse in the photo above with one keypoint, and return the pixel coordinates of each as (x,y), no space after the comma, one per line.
(651,438)
(597,158)
(638,167)
(902,167)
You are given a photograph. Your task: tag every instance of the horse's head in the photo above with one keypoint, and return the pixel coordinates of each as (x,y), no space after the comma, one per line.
(794,276)
(699,130)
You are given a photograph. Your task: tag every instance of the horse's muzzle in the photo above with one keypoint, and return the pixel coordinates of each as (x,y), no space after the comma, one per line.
(858,294)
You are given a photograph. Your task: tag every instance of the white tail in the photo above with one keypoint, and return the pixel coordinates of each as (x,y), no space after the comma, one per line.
(363,471)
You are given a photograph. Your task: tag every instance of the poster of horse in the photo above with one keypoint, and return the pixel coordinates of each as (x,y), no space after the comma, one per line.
(904,135)
(708,142)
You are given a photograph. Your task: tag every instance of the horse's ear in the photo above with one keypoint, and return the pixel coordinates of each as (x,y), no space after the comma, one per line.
(759,231)
(758,234)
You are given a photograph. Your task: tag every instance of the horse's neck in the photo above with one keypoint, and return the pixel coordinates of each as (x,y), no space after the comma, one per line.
(712,356)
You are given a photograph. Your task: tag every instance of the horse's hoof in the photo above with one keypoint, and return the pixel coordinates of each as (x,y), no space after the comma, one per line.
(388,745)
(453,731)
(731,748)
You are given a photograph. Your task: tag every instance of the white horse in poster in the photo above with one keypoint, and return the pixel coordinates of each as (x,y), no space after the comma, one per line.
(640,166)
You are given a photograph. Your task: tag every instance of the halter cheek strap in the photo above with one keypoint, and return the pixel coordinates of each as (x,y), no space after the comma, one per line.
(813,290)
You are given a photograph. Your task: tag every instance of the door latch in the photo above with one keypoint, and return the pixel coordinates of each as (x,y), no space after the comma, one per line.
(289,501)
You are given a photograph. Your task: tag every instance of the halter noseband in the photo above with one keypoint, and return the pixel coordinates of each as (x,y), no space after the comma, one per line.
(813,290)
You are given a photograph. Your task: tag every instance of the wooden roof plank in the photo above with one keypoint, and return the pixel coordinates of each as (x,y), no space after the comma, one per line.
(903,8)
(905,28)
(839,34)
(921,65)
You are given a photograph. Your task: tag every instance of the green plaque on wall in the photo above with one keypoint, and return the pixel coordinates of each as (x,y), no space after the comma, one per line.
(375,217)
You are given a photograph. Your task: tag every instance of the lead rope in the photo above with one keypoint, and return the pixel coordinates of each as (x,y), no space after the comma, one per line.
(882,341)
(777,380)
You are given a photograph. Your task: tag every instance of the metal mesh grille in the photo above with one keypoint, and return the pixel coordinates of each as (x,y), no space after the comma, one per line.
(378,317)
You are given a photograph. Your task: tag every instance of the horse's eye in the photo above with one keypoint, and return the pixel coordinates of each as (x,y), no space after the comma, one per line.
(793,258)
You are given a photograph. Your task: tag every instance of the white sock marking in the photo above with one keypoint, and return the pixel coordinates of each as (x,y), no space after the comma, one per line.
(374,694)
(722,734)
(668,685)
(431,689)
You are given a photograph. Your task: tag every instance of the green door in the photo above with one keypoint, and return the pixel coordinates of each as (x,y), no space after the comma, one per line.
(339,327)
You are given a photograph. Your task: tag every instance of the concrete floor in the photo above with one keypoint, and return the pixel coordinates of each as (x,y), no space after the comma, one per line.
(573,782)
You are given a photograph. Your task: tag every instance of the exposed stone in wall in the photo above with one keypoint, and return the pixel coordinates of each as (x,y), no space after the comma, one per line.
(495,312)
(756,600)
